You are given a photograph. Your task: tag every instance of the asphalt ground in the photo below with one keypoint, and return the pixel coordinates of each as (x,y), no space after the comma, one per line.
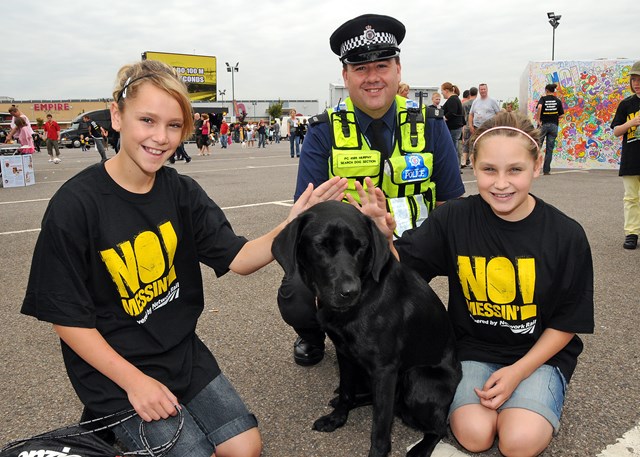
(242,325)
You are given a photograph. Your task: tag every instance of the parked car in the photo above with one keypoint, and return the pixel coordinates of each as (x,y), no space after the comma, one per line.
(71,137)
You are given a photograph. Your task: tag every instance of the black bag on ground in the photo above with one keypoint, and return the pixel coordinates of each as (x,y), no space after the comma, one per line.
(82,440)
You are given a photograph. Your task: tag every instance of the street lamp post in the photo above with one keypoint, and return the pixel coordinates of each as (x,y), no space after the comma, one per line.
(222,92)
(254,109)
(554,20)
(233,70)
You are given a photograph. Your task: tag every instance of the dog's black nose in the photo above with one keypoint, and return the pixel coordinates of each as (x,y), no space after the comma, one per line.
(349,290)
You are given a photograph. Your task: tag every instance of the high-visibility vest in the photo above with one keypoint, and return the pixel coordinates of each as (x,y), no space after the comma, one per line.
(404,177)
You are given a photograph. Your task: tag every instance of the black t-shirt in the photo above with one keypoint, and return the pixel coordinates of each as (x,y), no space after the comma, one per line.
(94,129)
(198,126)
(508,281)
(454,112)
(630,158)
(551,109)
(129,266)
(302,129)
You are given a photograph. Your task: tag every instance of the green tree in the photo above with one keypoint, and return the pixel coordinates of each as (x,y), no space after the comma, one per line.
(275,110)
(515,104)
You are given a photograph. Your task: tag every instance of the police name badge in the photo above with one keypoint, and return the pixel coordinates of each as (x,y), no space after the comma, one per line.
(362,159)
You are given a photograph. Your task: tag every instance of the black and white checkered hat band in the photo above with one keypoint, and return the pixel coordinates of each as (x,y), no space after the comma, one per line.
(362,40)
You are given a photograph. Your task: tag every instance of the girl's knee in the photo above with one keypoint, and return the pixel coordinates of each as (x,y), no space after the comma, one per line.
(474,426)
(523,433)
(246,444)
(526,446)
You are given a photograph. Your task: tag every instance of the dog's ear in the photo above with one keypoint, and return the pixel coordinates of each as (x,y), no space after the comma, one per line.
(285,245)
(379,250)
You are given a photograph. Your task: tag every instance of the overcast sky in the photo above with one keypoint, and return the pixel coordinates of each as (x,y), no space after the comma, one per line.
(60,49)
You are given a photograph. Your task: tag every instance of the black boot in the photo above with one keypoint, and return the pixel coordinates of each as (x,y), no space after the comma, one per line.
(307,354)
(630,242)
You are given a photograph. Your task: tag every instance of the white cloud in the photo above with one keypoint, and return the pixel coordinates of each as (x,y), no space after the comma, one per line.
(65,49)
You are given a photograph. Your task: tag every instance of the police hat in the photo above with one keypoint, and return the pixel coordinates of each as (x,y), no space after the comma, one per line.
(368,38)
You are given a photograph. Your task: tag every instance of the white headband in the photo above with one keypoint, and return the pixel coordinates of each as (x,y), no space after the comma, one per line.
(506,127)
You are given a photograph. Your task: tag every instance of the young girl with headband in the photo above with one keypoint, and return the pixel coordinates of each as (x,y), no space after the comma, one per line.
(520,288)
(116,270)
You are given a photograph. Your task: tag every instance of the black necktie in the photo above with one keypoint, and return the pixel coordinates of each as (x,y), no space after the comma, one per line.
(376,136)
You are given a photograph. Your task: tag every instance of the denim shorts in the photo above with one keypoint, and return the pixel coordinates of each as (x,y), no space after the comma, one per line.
(543,392)
(215,415)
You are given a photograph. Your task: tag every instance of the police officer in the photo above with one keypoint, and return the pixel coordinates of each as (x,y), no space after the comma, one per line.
(406,150)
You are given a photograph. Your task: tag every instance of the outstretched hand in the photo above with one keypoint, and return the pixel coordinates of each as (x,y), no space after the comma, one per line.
(333,189)
(373,204)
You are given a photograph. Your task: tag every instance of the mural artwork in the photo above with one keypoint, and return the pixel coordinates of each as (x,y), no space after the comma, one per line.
(590,92)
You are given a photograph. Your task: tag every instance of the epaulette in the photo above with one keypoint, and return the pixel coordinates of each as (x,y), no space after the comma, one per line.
(319,118)
(434,113)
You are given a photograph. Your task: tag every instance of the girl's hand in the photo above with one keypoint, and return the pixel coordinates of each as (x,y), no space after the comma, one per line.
(374,204)
(333,189)
(499,387)
(151,399)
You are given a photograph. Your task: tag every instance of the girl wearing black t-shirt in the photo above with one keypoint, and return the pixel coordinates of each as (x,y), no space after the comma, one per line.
(520,288)
(126,238)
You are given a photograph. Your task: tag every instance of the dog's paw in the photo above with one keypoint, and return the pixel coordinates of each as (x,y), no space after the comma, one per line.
(424,447)
(330,422)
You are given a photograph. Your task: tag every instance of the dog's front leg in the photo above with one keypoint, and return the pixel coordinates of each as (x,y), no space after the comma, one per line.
(346,398)
(384,390)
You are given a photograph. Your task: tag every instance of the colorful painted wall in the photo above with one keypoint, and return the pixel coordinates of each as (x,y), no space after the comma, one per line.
(590,91)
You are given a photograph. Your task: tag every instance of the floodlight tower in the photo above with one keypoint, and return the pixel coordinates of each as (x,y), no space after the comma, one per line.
(233,70)
(554,20)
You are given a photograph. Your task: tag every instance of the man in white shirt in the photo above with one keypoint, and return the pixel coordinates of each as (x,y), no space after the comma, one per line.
(483,108)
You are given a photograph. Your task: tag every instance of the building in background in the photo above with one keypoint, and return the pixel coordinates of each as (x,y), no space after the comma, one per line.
(65,111)
(338,92)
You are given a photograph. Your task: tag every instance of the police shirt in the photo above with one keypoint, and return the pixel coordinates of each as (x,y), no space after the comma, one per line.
(316,149)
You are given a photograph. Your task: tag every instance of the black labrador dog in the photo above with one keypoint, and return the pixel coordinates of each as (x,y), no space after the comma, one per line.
(383,318)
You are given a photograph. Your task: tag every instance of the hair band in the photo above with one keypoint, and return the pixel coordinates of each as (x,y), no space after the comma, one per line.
(123,92)
(506,127)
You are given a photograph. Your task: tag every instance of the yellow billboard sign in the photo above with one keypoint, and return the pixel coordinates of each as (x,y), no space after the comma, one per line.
(197,72)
